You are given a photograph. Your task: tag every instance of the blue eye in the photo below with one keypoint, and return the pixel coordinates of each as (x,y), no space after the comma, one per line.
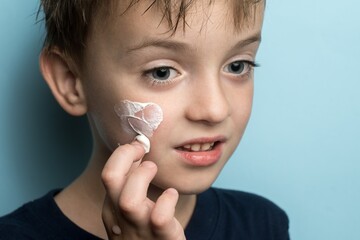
(240,67)
(162,73)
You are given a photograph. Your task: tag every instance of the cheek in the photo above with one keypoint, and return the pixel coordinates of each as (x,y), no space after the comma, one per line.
(140,118)
(105,124)
(164,136)
(166,126)
(107,129)
(241,104)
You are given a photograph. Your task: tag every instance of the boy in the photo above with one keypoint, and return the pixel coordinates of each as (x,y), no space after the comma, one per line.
(179,73)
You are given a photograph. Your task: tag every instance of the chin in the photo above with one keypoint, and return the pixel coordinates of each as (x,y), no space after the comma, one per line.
(193,190)
(187,185)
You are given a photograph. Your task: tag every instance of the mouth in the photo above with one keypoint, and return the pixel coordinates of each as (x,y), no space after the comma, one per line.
(203,144)
(198,147)
(201,152)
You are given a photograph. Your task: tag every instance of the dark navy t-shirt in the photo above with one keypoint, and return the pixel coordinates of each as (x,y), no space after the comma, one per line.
(219,215)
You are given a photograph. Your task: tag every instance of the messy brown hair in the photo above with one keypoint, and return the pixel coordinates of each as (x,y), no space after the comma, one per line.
(68,22)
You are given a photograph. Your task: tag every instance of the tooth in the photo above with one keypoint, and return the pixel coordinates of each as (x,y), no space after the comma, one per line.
(188,146)
(195,147)
(205,146)
(212,144)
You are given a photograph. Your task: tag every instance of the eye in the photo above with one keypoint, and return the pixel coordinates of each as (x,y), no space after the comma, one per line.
(161,74)
(240,67)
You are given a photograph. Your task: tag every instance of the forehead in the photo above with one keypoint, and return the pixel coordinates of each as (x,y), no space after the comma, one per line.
(207,27)
(237,15)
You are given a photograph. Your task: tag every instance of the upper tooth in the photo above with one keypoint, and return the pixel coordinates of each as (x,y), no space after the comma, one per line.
(205,146)
(199,146)
(195,147)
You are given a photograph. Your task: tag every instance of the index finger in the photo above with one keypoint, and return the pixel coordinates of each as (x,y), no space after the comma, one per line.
(118,166)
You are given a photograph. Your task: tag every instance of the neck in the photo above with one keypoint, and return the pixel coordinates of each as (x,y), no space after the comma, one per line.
(82,201)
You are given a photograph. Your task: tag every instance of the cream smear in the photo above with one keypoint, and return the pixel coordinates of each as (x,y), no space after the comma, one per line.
(141,118)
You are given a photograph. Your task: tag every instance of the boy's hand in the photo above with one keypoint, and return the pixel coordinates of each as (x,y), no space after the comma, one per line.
(127,209)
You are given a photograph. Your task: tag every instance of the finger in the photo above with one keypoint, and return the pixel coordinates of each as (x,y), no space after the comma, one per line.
(118,166)
(110,220)
(163,218)
(134,203)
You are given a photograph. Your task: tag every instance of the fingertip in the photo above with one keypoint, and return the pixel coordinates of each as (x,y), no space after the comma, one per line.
(165,205)
(148,164)
(144,141)
(133,149)
(172,191)
(163,216)
(139,147)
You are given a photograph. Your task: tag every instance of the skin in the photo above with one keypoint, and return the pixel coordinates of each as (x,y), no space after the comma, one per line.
(153,198)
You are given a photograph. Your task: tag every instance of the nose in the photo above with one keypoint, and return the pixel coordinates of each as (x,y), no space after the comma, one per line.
(208,101)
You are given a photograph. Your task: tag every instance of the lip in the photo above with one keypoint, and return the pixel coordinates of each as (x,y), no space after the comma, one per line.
(202,158)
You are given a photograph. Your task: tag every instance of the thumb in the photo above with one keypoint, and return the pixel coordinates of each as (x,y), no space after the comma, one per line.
(110,220)
(163,220)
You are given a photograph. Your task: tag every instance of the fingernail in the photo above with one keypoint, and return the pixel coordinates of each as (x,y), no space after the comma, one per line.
(137,144)
(116,230)
(171,191)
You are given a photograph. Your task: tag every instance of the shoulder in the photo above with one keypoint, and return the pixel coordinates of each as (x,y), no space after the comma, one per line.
(15,226)
(26,222)
(12,232)
(249,201)
(252,214)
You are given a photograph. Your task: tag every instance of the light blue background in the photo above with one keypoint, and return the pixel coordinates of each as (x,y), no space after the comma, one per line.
(301,148)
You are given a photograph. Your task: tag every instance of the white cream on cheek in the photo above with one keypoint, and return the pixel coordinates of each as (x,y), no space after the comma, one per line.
(141,118)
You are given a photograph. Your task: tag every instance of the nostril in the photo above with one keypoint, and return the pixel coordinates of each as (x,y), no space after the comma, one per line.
(209,110)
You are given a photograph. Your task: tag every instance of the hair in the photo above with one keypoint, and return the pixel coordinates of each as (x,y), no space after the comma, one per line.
(68,22)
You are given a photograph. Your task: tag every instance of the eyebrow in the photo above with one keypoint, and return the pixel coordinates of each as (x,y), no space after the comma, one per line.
(181,46)
(160,43)
(252,39)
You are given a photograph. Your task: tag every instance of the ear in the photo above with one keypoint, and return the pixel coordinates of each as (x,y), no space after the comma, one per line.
(63,79)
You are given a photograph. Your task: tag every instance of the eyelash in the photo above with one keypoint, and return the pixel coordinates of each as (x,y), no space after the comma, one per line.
(155,82)
(247,69)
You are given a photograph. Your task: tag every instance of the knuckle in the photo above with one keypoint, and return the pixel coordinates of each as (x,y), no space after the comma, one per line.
(128,205)
(160,221)
(109,177)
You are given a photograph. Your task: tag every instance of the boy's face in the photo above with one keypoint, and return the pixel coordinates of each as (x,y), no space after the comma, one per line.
(198,78)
